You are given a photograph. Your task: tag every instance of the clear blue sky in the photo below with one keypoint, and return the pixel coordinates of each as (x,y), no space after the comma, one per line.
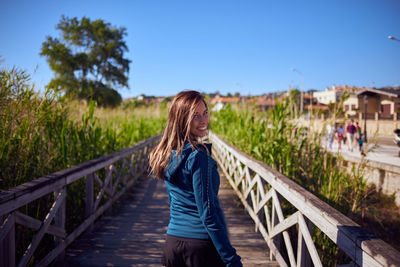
(230,46)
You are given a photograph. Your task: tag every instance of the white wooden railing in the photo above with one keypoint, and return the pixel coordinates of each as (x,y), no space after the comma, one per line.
(262,190)
(121,168)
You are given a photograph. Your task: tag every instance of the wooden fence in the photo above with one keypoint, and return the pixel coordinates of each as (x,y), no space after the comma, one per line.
(121,171)
(262,191)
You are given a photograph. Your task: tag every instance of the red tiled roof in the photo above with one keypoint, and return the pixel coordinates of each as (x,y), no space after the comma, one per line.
(220,99)
(317,106)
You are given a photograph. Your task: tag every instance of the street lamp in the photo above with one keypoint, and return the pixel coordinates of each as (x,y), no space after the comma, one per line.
(393,38)
(365,117)
(301,89)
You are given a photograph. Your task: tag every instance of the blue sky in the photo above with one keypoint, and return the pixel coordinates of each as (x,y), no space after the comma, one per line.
(231,46)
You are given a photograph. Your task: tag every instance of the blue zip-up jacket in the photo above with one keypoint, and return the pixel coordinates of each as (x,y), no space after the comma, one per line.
(192,182)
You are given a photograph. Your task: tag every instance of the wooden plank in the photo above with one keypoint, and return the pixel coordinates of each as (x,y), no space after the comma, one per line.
(286,238)
(7,226)
(250,186)
(103,189)
(27,197)
(303,256)
(7,241)
(284,225)
(59,222)
(119,176)
(300,249)
(264,200)
(309,242)
(97,179)
(35,224)
(89,193)
(267,218)
(3,253)
(126,176)
(11,247)
(110,185)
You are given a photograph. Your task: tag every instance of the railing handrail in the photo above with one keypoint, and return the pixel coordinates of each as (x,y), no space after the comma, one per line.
(46,184)
(356,242)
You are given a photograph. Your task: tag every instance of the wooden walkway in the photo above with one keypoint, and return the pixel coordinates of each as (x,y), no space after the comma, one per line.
(133,233)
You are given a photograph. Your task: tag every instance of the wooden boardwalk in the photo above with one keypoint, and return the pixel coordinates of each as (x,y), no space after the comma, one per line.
(133,233)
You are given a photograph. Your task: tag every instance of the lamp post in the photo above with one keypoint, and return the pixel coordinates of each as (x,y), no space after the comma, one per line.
(393,38)
(301,89)
(365,117)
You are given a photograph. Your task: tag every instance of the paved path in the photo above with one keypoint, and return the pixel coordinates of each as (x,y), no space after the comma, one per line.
(378,150)
(133,233)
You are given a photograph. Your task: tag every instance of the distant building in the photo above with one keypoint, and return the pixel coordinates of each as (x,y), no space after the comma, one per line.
(330,95)
(321,107)
(384,102)
(334,95)
(351,105)
(224,100)
(264,102)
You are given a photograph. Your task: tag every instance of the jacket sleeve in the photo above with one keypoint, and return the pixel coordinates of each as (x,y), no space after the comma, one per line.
(209,209)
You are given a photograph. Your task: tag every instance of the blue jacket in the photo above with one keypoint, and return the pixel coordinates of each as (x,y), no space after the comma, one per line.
(192,182)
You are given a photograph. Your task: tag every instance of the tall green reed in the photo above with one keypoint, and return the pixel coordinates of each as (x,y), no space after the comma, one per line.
(39,136)
(276,138)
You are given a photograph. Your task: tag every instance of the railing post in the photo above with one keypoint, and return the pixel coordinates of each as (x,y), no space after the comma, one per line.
(277,240)
(59,221)
(109,187)
(7,245)
(305,257)
(89,189)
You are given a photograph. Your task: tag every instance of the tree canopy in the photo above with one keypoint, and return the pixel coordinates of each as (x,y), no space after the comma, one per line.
(88,60)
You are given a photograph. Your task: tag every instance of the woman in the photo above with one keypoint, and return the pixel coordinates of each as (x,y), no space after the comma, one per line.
(197,234)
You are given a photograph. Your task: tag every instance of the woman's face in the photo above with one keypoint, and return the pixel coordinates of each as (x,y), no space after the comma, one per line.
(199,125)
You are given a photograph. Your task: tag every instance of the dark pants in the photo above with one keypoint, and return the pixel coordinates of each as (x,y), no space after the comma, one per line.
(189,252)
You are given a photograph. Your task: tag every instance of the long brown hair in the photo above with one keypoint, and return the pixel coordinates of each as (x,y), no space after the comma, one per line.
(177,130)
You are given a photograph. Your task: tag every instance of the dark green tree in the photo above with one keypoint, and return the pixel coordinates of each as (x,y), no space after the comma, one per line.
(88,60)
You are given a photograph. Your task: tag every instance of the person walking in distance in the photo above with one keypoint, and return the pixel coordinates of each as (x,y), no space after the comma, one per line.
(359,139)
(197,233)
(358,132)
(329,136)
(339,136)
(350,132)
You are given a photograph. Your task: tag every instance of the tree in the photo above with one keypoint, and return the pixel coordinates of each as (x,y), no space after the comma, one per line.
(88,61)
